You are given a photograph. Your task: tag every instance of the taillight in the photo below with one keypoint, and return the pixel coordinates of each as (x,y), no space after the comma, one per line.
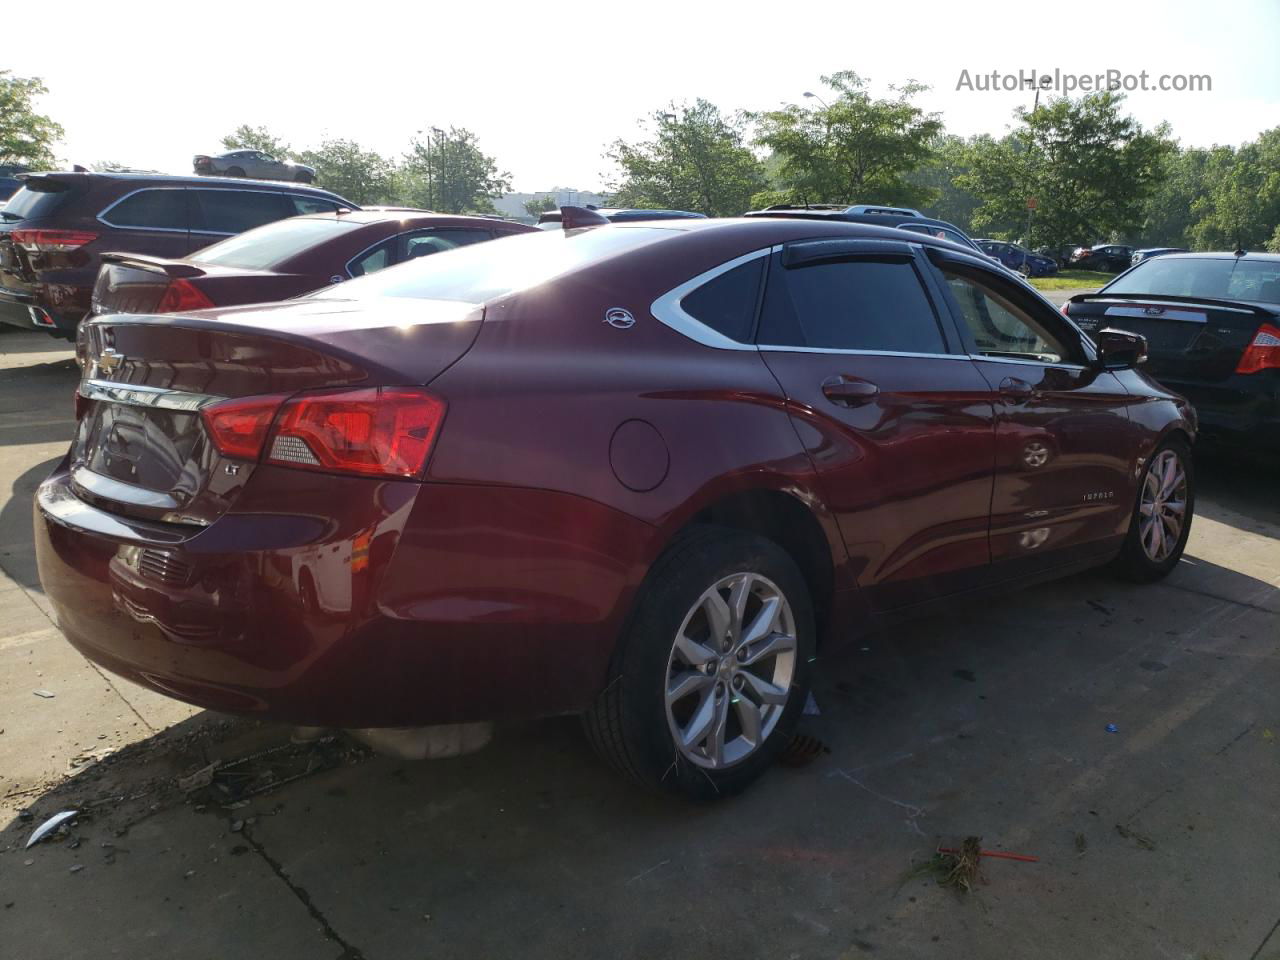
(1066,309)
(1263,353)
(182,295)
(52,241)
(379,431)
(239,428)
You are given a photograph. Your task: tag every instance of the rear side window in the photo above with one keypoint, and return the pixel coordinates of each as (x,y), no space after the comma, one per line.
(727,303)
(427,242)
(149,210)
(303,204)
(235,211)
(850,305)
(273,244)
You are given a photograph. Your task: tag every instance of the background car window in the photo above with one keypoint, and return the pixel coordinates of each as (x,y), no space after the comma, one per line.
(150,209)
(235,211)
(371,261)
(851,305)
(303,205)
(727,303)
(270,245)
(1216,278)
(426,242)
(1001,329)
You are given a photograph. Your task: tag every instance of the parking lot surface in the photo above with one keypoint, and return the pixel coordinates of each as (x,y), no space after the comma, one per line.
(1160,839)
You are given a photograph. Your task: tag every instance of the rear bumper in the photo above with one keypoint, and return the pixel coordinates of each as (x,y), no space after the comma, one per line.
(415,604)
(56,308)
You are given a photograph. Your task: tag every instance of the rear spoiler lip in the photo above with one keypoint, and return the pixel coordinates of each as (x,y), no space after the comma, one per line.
(176,269)
(1240,306)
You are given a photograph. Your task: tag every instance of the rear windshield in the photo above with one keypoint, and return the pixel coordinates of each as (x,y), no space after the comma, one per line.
(1219,278)
(268,246)
(484,271)
(31,202)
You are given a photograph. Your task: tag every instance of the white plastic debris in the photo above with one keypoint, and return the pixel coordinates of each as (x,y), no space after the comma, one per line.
(50,825)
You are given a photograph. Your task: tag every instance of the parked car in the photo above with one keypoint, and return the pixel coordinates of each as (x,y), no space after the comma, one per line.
(1018,258)
(1149,252)
(54,230)
(1213,324)
(285,259)
(599,471)
(1111,257)
(551,219)
(251,163)
(903,219)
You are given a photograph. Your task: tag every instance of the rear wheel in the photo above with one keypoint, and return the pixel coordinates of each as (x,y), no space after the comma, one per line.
(711,675)
(1162,517)
(235,172)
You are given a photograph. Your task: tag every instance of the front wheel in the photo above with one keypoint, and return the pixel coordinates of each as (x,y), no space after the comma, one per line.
(710,676)
(1161,519)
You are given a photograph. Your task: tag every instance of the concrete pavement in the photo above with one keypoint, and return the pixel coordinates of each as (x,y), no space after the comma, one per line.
(1159,840)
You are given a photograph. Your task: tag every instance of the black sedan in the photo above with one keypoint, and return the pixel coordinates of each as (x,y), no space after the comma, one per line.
(1212,323)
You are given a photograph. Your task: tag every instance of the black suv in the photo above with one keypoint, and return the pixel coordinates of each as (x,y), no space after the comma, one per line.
(903,218)
(54,230)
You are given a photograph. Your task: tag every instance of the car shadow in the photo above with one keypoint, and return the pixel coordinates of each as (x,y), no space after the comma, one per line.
(18,558)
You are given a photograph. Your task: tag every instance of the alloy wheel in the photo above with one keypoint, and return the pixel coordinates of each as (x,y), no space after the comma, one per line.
(1163,507)
(730,670)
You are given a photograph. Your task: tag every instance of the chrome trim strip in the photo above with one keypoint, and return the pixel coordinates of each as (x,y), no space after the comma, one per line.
(668,311)
(142,396)
(108,488)
(1033,363)
(102,214)
(864,353)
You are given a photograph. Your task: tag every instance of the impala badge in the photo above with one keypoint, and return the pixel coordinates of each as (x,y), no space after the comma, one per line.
(619,319)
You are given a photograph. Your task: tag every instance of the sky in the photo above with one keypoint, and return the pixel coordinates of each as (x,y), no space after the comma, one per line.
(548,85)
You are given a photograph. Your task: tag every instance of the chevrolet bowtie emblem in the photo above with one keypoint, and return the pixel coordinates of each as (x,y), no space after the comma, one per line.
(108,360)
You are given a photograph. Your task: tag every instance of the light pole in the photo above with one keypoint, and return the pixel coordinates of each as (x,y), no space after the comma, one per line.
(813,96)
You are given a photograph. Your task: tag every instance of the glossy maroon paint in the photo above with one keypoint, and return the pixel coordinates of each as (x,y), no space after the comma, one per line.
(498,583)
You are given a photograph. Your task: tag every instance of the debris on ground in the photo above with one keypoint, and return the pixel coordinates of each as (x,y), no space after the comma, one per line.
(1141,839)
(50,826)
(230,783)
(44,694)
(960,869)
(1112,728)
(802,750)
(1081,843)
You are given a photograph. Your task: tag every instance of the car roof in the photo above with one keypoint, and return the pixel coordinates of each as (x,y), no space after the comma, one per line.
(214,183)
(842,215)
(1223,255)
(406,215)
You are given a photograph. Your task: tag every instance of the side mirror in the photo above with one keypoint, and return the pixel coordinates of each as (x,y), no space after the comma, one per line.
(1119,349)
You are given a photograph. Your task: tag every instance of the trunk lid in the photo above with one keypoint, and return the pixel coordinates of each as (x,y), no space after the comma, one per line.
(1189,340)
(141,449)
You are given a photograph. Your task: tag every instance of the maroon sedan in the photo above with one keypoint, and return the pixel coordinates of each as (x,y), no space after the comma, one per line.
(642,473)
(285,259)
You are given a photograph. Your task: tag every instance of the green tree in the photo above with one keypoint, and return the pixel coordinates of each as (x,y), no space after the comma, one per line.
(362,176)
(856,150)
(1090,169)
(1168,214)
(450,173)
(1241,207)
(245,137)
(537,205)
(26,137)
(949,159)
(696,159)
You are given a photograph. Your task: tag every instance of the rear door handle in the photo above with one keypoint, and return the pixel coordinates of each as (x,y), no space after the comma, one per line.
(848,391)
(1016,390)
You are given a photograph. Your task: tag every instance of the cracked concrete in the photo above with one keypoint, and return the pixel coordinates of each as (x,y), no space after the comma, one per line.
(991,721)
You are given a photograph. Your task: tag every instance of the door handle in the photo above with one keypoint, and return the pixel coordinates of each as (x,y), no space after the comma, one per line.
(848,391)
(1016,390)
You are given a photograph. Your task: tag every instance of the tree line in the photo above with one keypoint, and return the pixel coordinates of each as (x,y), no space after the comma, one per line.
(1091,172)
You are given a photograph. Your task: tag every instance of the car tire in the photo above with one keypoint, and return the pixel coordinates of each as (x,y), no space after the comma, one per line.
(234,172)
(303,177)
(1161,495)
(656,694)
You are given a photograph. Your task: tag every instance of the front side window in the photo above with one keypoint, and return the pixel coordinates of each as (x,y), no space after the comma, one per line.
(426,242)
(1000,328)
(864,304)
(373,260)
(150,210)
(727,303)
(235,211)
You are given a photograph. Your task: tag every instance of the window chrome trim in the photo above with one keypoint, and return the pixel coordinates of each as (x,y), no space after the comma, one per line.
(1034,363)
(668,310)
(864,353)
(138,395)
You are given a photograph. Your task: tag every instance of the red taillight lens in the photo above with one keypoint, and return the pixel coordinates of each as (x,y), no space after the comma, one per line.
(1066,309)
(239,428)
(182,295)
(1263,353)
(381,431)
(52,241)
